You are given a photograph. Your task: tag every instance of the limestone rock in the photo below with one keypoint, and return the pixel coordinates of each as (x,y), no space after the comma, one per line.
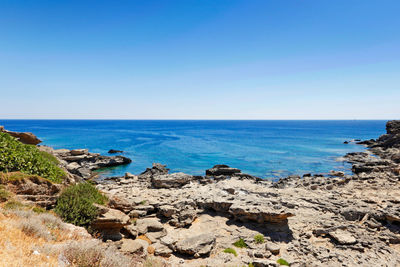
(148,225)
(137,246)
(272,247)
(23,137)
(201,244)
(343,237)
(109,222)
(162,250)
(173,180)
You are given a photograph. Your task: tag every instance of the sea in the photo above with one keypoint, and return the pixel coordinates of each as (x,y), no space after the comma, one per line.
(268,149)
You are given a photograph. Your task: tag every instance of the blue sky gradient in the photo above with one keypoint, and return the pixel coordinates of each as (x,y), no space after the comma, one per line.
(204,59)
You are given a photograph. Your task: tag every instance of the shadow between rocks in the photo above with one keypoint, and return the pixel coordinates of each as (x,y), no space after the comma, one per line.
(276,232)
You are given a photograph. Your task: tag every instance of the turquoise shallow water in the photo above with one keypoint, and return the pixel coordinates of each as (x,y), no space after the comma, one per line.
(262,148)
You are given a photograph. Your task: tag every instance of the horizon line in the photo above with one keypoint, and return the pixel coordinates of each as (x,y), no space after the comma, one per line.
(120,119)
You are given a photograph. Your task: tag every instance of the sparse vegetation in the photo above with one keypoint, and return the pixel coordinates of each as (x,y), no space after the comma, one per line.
(153,262)
(91,253)
(259,239)
(4,194)
(240,243)
(75,204)
(38,209)
(50,221)
(24,231)
(282,262)
(231,251)
(34,227)
(16,156)
(13,204)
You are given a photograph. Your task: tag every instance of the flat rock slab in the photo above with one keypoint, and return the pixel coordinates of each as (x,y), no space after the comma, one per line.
(149,225)
(197,245)
(173,180)
(343,237)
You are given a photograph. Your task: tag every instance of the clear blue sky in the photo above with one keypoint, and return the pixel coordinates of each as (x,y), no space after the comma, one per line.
(203,59)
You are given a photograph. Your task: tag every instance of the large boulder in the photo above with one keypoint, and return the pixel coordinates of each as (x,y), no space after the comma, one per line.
(261,214)
(23,137)
(149,225)
(173,180)
(197,245)
(109,222)
(81,162)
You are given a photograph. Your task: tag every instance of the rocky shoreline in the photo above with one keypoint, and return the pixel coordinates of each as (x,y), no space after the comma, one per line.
(340,220)
(313,220)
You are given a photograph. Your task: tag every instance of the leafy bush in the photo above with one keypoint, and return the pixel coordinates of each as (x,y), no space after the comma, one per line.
(230,250)
(16,156)
(75,204)
(283,262)
(259,239)
(240,243)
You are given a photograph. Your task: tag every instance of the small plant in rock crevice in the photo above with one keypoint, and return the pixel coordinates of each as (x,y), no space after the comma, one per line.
(240,243)
(282,262)
(259,239)
(231,251)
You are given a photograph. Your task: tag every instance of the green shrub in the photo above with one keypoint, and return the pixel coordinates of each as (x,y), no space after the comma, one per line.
(75,204)
(240,243)
(283,262)
(230,250)
(259,239)
(16,156)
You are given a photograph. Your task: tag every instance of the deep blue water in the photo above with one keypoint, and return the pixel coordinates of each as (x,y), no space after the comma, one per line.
(262,148)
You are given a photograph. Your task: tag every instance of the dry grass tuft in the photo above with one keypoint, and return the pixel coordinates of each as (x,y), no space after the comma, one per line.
(91,253)
(16,246)
(31,239)
(152,261)
(34,227)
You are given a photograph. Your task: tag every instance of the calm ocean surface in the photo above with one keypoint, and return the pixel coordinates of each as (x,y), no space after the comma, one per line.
(262,148)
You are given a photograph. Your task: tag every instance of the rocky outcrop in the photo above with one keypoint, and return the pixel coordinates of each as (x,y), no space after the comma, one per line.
(157,169)
(23,137)
(109,223)
(82,163)
(35,190)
